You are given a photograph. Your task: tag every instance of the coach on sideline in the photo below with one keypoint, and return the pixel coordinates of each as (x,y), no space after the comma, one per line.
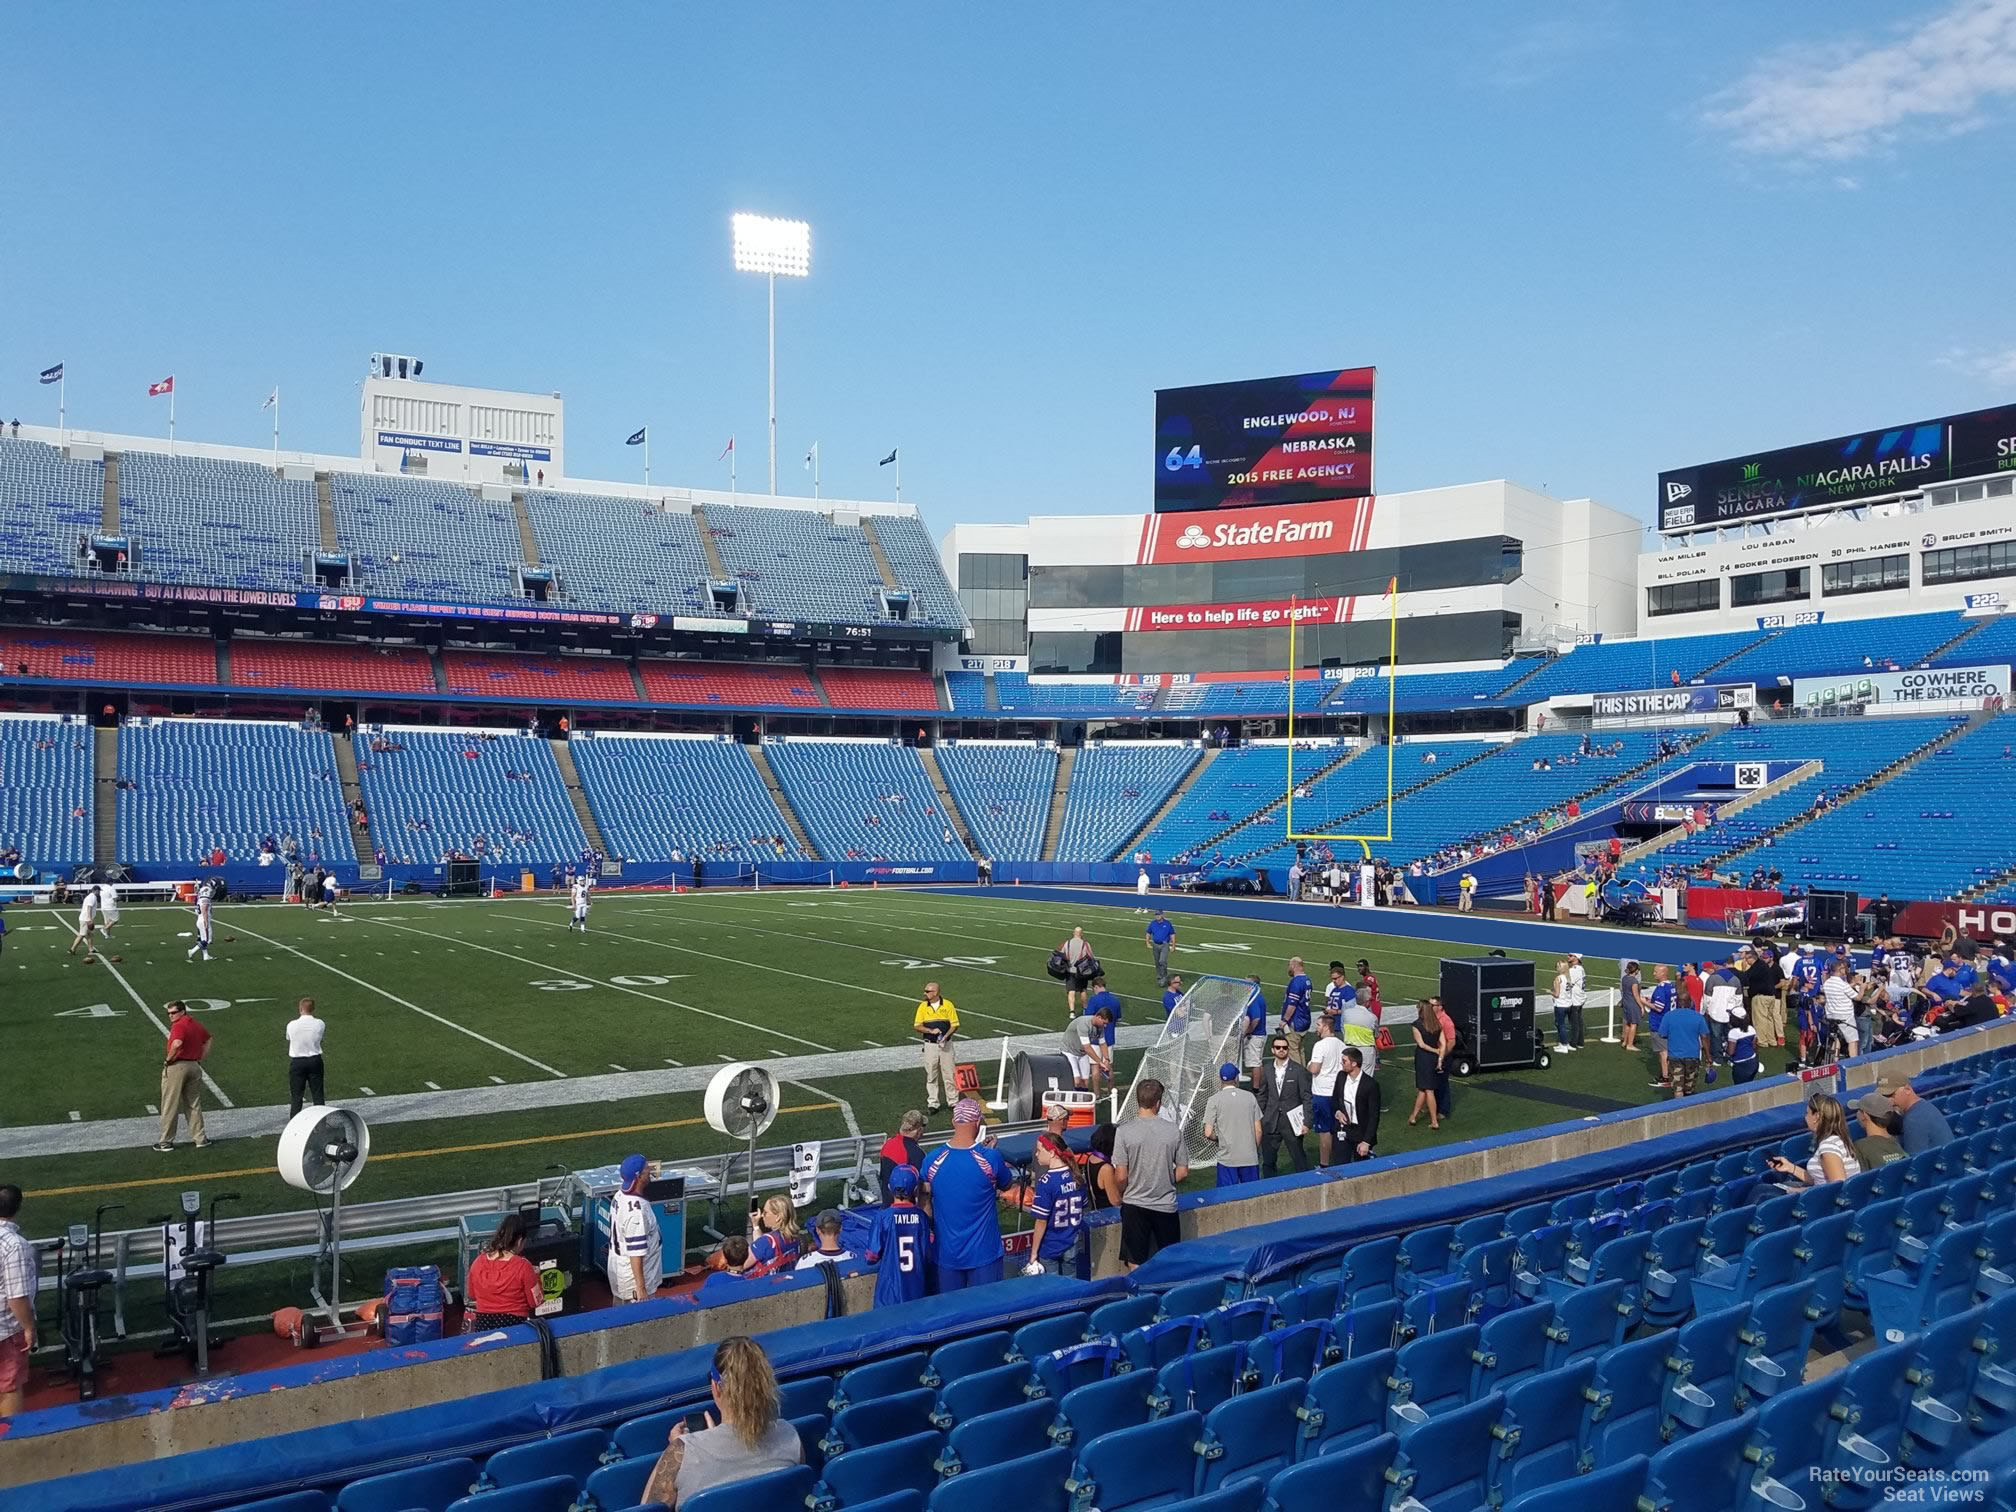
(182,1077)
(304,1058)
(936,1023)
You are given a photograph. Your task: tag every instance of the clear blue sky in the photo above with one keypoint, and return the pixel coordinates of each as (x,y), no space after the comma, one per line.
(1581,242)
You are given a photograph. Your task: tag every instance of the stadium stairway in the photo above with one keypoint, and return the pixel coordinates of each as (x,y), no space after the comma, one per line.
(1168,805)
(109,517)
(105,796)
(1857,793)
(947,804)
(1067,759)
(1743,650)
(990,690)
(716,568)
(325,513)
(1484,753)
(1801,773)
(353,796)
(1968,629)
(777,793)
(563,757)
(882,566)
(1212,841)
(528,540)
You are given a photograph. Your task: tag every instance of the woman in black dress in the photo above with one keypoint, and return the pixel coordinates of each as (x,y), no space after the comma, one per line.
(1430,1047)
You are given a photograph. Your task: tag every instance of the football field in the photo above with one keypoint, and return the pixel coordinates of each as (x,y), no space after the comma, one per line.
(487,1042)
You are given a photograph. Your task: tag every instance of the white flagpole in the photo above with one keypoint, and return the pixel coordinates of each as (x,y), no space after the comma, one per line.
(62,425)
(276,426)
(647,456)
(731,466)
(171,419)
(899,475)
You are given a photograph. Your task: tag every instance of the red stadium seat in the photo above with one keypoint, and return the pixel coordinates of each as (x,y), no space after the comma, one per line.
(109,656)
(331,669)
(880,688)
(538,679)
(717,684)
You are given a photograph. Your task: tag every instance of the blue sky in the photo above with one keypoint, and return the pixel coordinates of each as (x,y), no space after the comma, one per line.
(1581,242)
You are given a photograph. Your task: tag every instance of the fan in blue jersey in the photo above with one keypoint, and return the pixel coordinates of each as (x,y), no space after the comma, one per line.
(962,1179)
(900,1247)
(1102,997)
(1295,1003)
(1058,1206)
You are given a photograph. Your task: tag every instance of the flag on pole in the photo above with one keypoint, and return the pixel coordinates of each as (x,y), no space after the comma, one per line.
(812,457)
(53,374)
(636,437)
(271,399)
(888,459)
(165,386)
(727,449)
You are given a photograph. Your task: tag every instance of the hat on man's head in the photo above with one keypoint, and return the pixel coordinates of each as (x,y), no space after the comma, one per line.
(967,1111)
(1876,1105)
(903,1179)
(633,1166)
(1228,1072)
(1890,1083)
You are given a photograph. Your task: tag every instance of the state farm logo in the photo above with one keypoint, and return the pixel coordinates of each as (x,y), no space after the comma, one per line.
(1192,537)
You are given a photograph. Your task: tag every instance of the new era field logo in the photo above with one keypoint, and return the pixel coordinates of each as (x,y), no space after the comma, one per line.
(1677,491)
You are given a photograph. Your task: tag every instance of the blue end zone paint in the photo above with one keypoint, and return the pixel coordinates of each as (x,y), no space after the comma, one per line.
(1478,930)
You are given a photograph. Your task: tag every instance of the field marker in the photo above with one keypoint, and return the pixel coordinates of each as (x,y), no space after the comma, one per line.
(154,1019)
(152,1109)
(671,1062)
(496,1078)
(75,1116)
(367,1091)
(602,982)
(614,1067)
(432,1086)
(402,1002)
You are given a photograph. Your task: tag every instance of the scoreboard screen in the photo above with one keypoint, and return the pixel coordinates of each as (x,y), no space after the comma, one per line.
(1302,439)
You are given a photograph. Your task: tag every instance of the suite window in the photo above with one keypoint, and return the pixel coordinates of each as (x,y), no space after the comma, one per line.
(1866,575)
(1961,564)
(1684,598)
(1777,587)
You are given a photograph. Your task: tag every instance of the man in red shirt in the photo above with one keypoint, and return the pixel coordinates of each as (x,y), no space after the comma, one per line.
(182,1077)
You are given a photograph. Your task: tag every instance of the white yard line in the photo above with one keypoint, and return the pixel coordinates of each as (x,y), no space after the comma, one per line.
(154,1019)
(392,997)
(584,976)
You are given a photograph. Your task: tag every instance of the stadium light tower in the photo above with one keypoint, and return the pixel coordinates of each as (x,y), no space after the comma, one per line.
(774,248)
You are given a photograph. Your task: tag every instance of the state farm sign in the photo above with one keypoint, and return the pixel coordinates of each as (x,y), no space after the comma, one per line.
(1248,534)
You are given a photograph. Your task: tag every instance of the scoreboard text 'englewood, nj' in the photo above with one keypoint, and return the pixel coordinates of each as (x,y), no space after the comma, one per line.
(1302,439)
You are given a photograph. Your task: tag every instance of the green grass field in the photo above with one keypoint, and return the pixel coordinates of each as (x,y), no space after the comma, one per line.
(433,998)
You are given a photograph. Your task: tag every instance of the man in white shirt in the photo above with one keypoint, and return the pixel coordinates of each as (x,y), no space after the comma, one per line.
(206,895)
(636,1265)
(1326,1063)
(1357,1103)
(304,1058)
(1466,892)
(1837,998)
(579,920)
(1141,889)
(830,1250)
(1568,1012)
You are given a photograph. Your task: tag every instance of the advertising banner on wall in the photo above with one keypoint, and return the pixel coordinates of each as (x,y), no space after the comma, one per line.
(1291,440)
(1821,474)
(1257,534)
(1925,685)
(1253,616)
(1660,703)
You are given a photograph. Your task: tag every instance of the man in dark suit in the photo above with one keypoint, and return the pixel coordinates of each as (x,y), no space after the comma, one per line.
(1284,1108)
(1357,1103)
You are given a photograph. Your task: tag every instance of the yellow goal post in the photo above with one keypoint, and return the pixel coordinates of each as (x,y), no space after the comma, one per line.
(1392,658)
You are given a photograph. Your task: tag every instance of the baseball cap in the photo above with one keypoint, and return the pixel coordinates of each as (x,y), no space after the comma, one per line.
(1890,1083)
(1876,1105)
(830,1218)
(1228,1072)
(633,1166)
(967,1111)
(903,1179)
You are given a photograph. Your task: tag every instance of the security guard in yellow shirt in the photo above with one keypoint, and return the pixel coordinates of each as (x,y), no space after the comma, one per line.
(937,1023)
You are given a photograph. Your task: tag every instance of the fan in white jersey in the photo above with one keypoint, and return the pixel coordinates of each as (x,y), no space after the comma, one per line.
(580,890)
(205,895)
(88,921)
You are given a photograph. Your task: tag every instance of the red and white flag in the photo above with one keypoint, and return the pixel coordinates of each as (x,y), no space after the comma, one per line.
(727,449)
(165,386)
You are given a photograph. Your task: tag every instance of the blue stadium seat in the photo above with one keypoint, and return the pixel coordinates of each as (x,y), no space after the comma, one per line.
(1433,1371)
(879,1420)
(759,1493)
(1249,1436)
(1293,1353)
(1155,1345)
(431,1487)
(1487,1269)
(1367,1326)
(996,1438)
(1511,1347)
(989,1391)
(553,1493)
(1032,1484)
(1239,1322)
(1241,1496)
(803,1394)
(1632,1411)
(1706,1471)
(293,1501)
(1905,1302)
(878,1378)
(1310,1301)
(1139,1468)
(968,1356)
(905,1464)
(1882,1394)
(1345,1403)
(1191,1298)
(1064,1370)
(1099,1407)
(1115,1319)
(1353,1475)
(1613,1488)
(576,1455)
(1541,1433)
(1669,1271)
(1590,1321)
(909,1499)
(1198,1382)
(1048,1335)
(618,1485)
(1448,1459)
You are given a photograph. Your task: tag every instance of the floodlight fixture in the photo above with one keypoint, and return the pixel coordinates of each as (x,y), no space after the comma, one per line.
(776,249)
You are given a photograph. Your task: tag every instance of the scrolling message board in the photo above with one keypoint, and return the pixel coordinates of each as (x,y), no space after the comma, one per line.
(1302,439)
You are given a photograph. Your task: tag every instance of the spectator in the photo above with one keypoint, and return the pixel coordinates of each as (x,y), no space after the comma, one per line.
(1631,1005)
(1085,1048)
(1920,1125)
(901,1149)
(1149,1162)
(1232,1122)
(1284,1108)
(961,1180)
(1568,1012)
(17,1304)
(1431,1048)
(743,1438)
(937,1024)
(1077,953)
(636,1261)
(1357,1100)
(1879,1145)
(304,1057)
(901,1247)
(1161,934)
(503,1287)
(1838,1006)
(1686,1040)
(778,1241)
(1253,1040)
(182,1078)
(1104,1000)
(1295,1005)
(1740,1047)
(1659,1004)
(1057,1204)
(1764,990)
(1102,1184)
(1326,1065)
(829,1250)
(1832,1160)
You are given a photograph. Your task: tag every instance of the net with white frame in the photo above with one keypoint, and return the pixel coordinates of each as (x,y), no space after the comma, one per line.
(1203,1032)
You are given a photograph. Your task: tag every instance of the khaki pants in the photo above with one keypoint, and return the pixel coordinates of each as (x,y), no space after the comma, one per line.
(1767,1017)
(181,1092)
(940,1074)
